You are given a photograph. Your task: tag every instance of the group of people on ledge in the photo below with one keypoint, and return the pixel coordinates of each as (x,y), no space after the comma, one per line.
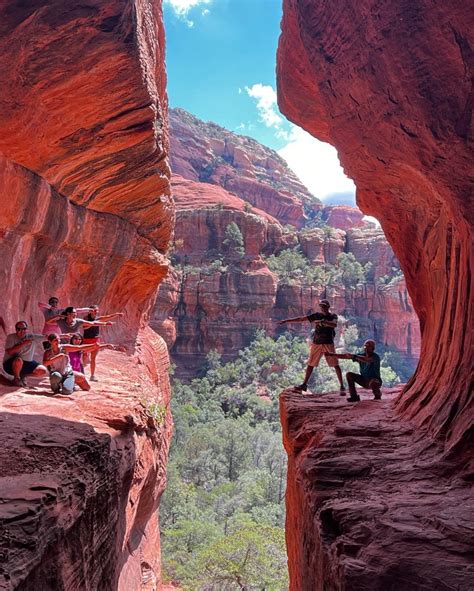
(323,344)
(66,350)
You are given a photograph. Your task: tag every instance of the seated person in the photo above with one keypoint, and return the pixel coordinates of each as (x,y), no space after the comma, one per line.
(18,360)
(52,313)
(369,376)
(71,323)
(62,376)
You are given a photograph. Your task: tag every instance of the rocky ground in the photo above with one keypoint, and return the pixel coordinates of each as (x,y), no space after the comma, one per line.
(369,504)
(81,476)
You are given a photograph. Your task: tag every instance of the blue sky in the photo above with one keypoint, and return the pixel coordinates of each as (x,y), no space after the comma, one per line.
(221,67)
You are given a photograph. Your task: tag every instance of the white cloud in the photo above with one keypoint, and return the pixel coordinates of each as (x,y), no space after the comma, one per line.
(316,164)
(267,108)
(182,7)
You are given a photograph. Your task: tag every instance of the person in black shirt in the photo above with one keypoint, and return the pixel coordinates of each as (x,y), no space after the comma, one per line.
(91,334)
(323,343)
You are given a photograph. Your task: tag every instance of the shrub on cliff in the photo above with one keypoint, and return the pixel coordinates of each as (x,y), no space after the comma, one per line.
(233,242)
(291,267)
(349,271)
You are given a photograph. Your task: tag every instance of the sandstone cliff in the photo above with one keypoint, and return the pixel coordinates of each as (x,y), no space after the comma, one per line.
(86,215)
(366,78)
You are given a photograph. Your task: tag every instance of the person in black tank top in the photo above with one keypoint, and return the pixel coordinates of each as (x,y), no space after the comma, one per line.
(92,334)
(323,343)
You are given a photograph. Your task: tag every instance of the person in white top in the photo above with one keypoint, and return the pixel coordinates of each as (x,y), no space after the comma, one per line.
(18,359)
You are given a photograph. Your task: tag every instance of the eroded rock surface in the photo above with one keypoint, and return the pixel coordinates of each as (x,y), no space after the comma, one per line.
(82,476)
(369,506)
(368,78)
(86,215)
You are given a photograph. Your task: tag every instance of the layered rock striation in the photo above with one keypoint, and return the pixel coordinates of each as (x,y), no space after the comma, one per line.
(86,215)
(366,78)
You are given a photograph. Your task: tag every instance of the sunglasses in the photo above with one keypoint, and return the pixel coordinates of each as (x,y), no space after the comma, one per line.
(20,328)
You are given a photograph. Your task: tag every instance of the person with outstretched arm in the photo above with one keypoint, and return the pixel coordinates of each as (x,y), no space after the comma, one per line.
(92,334)
(63,377)
(369,376)
(18,360)
(323,342)
(52,313)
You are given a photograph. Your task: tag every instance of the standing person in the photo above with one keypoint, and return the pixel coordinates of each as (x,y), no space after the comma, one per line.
(70,323)
(323,343)
(369,376)
(92,334)
(52,313)
(18,360)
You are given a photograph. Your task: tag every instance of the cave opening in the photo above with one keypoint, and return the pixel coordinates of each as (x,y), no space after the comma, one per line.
(266,226)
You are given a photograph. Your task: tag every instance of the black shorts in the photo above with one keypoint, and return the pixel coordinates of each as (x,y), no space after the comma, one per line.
(27,368)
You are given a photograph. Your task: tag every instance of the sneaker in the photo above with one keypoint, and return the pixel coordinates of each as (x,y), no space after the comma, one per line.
(301,388)
(93,378)
(24,382)
(342,391)
(17,382)
(354,398)
(76,388)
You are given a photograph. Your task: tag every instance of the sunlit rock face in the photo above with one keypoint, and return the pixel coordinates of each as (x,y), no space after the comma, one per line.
(209,153)
(368,78)
(86,215)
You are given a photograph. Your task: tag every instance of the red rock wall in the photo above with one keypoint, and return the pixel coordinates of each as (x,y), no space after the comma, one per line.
(86,215)
(390,85)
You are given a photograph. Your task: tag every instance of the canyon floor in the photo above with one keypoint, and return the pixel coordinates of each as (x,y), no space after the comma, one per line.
(371,504)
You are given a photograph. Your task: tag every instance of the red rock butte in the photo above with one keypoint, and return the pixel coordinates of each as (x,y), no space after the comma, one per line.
(86,215)
(390,86)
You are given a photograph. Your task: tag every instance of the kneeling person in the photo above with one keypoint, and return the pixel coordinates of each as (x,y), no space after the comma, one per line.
(369,376)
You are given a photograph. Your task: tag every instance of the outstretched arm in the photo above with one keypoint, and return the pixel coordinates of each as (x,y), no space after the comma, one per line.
(88,324)
(297,319)
(110,316)
(342,355)
(87,348)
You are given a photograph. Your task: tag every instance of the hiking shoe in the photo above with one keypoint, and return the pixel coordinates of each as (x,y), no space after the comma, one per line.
(24,382)
(353,399)
(76,388)
(378,396)
(93,378)
(342,391)
(301,388)
(17,382)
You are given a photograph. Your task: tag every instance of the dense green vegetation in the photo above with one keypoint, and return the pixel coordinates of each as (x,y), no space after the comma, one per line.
(222,515)
(292,267)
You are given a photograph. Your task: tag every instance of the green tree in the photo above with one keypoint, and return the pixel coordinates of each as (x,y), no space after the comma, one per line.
(251,558)
(234,242)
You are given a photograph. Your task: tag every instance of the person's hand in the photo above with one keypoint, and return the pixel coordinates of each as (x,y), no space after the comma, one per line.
(120,314)
(109,323)
(109,346)
(282,322)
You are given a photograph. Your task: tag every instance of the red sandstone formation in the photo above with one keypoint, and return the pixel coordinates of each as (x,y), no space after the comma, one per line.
(363,512)
(366,78)
(208,153)
(390,85)
(343,217)
(81,476)
(86,215)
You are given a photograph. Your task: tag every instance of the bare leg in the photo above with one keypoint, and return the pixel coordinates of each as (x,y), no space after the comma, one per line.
(81,381)
(93,358)
(17,364)
(309,371)
(339,377)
